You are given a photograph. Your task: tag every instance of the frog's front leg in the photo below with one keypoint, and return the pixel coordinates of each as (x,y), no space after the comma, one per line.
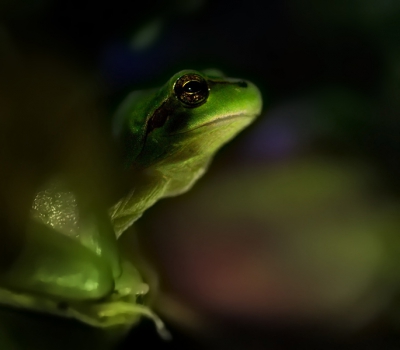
(150,186)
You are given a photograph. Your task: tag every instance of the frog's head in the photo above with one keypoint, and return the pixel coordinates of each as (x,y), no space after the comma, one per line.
(188,119)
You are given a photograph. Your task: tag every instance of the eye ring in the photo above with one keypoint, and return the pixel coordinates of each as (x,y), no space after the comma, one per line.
(191,89)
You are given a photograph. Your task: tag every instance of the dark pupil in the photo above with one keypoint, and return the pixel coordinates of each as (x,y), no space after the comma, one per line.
(192,87)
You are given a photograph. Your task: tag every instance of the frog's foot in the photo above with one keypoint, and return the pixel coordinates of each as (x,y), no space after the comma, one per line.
(102,314)
(115,313)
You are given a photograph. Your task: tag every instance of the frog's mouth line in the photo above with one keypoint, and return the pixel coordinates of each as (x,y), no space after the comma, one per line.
(216,121)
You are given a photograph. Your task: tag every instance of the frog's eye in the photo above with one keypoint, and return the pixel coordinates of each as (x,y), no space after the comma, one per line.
(191,89)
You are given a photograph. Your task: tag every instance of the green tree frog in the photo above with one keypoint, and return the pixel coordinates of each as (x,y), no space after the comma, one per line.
(70,265)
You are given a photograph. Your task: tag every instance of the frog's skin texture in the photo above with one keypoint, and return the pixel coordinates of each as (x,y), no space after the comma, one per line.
(71,265)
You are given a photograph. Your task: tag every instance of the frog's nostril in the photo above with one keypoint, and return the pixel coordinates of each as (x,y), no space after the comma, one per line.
(242,84)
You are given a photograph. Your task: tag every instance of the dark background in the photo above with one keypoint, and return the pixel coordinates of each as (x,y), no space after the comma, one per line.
(329,74)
